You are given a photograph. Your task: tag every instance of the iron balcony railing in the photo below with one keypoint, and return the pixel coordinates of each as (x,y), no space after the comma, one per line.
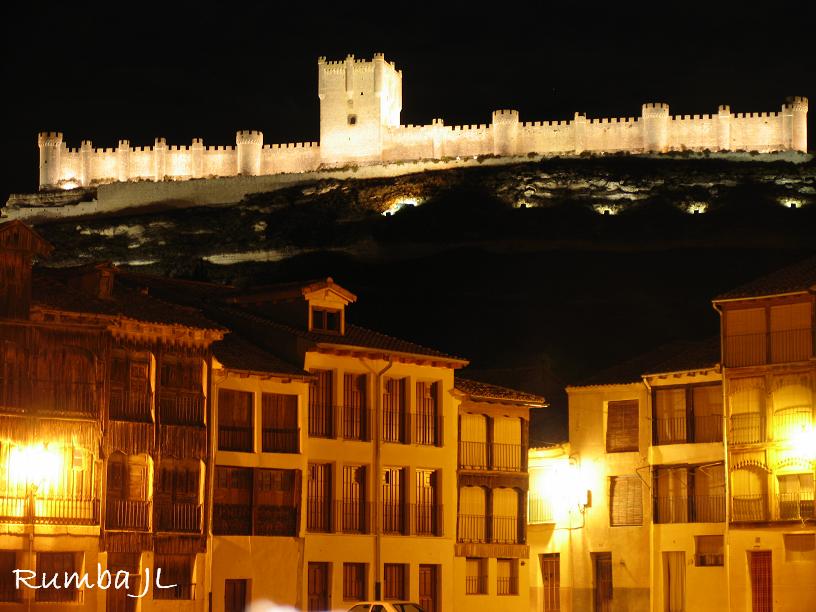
(671,430)
(749,508)
(782,346)
(232,519)
(475,585)
(356,423)
(427,519)
(798,505)
(276,520)
(353,516)
(493,529)
(427,429)
(539,510)
(133,406)
(790,422)
(676,430)
(507,585)
(319,515)
(180,517)
(280,440)
(708,428)
(394,425)
(235,438)
(49,510)
(394,518)
(681,509)
(747,428)
(127,514)
(496,456)
(322,421)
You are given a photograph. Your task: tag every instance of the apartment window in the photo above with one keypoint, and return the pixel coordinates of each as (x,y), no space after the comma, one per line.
(279,423)
(472,515)
(792,401)
(506,576)
(276,502)
(622,426)
(473,442)
(181,400)
(475,576)
(58,563)
(427,520)
(355,413)
(625,503)
(796,496)
(396,580)
(506,448)
(749,492)
(177,570)
(708,551)
(393,499)
(321,404)
(235,432)
(745,337)
(354,515)
(127,506)
(130,387)
(747,410)
(791,332)
(394,412)
(671,495)
(352,119)
(688,414)
(318,509)
(800,547)
(8,589)
(326,320)
(354,581)
(232,501)
(177,495)
(505,523)
(426,428)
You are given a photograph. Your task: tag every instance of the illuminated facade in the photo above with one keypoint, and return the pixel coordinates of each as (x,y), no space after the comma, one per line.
(688,481)
(360,105)
(492,480)
(769,374)
(103,454)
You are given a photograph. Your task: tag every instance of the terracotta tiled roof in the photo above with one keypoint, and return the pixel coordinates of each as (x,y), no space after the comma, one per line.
(480,390)
(673,357)
(237,353)
(49,292)
(798,277)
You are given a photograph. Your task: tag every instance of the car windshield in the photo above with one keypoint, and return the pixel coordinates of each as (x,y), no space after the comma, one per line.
(360,608)
(406,607)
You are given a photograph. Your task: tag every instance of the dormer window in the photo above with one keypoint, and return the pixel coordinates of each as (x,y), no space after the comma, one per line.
(326,320)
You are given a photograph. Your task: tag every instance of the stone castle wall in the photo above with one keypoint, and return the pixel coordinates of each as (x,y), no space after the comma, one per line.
(360,104)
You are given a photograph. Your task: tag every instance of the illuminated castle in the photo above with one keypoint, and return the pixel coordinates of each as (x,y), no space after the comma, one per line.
(360,104)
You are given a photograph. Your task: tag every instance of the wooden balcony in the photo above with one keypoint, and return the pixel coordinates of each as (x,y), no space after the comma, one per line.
(280,440)
(49,511)
(132,406)
(232,519)
(796,506)
(276,520)
(748,508)
(127,514)
(497,456)
(234,438)
(181,407)
(178,517)
(785,346)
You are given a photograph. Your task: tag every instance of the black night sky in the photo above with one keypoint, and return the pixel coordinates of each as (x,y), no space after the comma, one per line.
(206,69)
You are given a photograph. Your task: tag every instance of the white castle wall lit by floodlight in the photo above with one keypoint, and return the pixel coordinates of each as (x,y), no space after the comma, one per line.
(360,105)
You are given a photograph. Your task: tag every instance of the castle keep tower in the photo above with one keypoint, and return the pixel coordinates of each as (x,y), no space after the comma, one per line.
(359,100)
(655,117)
(50,144)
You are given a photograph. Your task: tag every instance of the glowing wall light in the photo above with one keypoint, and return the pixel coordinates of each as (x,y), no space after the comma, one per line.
(803,443)
(35,465)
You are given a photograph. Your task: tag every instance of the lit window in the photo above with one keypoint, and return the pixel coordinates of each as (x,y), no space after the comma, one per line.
(708,551)
(507,572)
(625,503)
(475,576)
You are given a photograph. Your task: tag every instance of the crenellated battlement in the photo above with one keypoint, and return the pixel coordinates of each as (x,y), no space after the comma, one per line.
(367,129)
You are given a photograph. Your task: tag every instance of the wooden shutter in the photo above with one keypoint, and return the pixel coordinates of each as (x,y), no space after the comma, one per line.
(625,501)
(622,426)
(137,481)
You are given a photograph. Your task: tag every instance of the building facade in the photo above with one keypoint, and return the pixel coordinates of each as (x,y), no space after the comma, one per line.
(104,399)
